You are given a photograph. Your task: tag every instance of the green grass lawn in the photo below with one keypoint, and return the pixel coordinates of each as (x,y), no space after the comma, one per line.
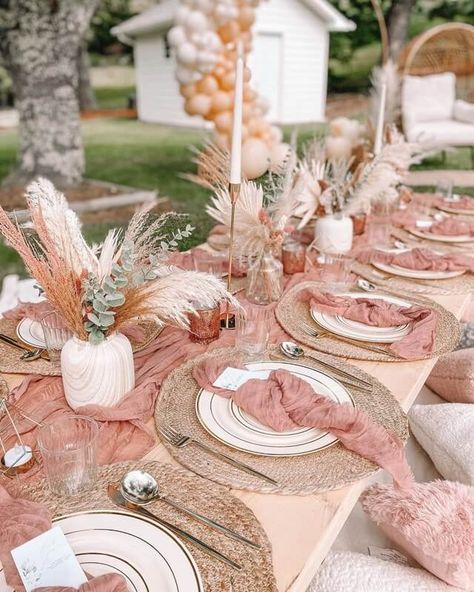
(113,97)
(150,156)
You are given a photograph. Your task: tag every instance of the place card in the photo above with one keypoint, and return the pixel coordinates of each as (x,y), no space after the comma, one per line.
(233,378)
(48,560)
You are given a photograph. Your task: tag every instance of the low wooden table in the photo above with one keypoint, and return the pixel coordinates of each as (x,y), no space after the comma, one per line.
(302,529)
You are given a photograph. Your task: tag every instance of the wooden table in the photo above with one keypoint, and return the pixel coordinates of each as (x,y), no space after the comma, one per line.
(303,528)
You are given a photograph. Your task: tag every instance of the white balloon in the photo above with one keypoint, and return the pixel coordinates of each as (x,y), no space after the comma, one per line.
(176,36)
(181,15)
(186,75)
(204,6)
(186,54)
(199,40)
(213,41)
(196,22)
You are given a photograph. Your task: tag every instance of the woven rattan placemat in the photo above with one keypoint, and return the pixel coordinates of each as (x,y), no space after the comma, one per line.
(331,468)
(200,495)
(11,363)
(291,313)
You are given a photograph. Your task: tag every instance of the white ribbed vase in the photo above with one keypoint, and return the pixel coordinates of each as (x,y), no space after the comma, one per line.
(333,234)
(97,374)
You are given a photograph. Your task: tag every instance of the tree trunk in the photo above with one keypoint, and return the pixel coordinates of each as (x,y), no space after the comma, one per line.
(85,92)
(398,25)
(40,41)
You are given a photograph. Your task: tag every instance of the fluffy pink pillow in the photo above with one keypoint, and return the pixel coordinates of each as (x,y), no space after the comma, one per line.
(433,522)
(453,376)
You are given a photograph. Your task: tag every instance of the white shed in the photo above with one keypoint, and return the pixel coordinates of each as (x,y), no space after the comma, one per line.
(289,61)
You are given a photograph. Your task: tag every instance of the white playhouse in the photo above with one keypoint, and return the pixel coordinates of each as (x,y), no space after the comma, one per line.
(289,61)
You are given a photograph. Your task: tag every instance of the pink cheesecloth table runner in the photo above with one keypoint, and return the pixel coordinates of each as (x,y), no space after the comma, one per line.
(284,402)
(21,520)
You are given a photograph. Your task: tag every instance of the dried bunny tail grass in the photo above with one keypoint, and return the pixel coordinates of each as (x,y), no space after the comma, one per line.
(171,298)
(213,164)
(146,233)
(62,224)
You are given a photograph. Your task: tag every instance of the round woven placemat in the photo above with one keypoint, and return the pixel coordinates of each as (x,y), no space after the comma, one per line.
(462,284)
(195,493)
(331,468)
(11,363)
(291,313)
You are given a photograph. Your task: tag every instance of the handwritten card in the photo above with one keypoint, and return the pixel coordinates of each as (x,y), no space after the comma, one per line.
(48,560)
(233,378)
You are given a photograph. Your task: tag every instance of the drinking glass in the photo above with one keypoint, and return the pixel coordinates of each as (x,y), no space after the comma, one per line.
(204,324)
(293,256)
(336,273)
(209,263)
(253,329)
(444,189)
(55,334)
(379,225)
(68,446)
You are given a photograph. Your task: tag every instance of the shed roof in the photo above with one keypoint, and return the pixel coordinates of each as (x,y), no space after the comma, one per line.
(161,17)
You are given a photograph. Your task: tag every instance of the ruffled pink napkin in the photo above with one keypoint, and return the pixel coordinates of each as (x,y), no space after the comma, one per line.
(379,313)
(22,520)
(465,203)
(452,227)
(420,259)
(284,402)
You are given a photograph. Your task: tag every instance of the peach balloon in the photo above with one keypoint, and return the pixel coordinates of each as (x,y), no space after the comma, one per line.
(187,90)
(247,111)
(223,121)
(222,141)
(255,158)
(229,32)
(247,74)
(276,134)
(198,105)
(208,85)
(221,101)
(228,81)
(249,94)
(246,18)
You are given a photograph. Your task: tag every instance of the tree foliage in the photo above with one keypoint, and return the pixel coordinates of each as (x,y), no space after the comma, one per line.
(109,14)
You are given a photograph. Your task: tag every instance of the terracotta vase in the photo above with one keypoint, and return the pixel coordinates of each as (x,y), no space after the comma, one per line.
(97,374)
(333,234)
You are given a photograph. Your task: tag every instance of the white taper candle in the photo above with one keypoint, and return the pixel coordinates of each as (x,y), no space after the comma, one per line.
(236,153)
(381,120)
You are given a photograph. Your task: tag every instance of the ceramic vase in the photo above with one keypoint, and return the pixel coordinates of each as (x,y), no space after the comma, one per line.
(97,374)
(333,234)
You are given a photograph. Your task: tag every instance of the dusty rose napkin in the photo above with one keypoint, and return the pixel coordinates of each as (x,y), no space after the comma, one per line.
(379,313)
(452,227)
(284,402)
(465,203)
(186,260)
(22,520)
(420,259)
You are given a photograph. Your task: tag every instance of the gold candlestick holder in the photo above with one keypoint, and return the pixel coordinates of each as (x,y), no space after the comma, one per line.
(228,322)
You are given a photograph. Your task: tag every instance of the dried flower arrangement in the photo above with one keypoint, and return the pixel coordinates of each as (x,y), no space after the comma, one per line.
(99,289)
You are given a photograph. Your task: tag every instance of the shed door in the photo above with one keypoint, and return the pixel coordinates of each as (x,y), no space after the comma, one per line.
(267,65)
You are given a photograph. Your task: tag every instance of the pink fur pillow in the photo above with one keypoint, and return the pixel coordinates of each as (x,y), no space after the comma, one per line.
(453,376)
(433,522)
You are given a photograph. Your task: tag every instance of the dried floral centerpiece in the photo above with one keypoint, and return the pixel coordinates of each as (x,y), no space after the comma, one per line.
(98,290)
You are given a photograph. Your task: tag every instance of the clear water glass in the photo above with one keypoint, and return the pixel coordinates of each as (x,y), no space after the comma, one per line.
(209,263)
(379,226)
(55,334)
(336,273)
(68,447)
(252,331)
(444,189)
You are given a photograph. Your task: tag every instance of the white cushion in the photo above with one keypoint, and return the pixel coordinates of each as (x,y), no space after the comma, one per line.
(448,132)
(464,111)
(446,433)
(353,572)
(429,98)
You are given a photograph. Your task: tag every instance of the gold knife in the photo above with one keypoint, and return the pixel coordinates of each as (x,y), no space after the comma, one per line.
(117,498)
(23,347)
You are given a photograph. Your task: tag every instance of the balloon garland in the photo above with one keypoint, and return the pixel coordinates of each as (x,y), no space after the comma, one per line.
(204,39)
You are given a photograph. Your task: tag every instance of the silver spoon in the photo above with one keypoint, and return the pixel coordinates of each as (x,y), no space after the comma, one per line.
(31,356)
(141,488)
(365,285)
(294,351)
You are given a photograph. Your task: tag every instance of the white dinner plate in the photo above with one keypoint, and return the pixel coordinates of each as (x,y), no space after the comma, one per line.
(443,238)
(149,557)
(418,274)
(224,420)
(339,325)
(31,333)
(454,210)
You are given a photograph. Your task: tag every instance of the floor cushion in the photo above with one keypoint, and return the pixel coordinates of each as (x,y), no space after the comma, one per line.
(446,434)
(453,376)
(354,572)
(429,98)
(431,522)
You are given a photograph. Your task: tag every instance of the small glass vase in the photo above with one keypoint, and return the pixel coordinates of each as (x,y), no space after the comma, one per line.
(265,279)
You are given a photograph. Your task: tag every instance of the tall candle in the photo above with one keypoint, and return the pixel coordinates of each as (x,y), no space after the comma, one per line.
(381,120)
(236,154)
